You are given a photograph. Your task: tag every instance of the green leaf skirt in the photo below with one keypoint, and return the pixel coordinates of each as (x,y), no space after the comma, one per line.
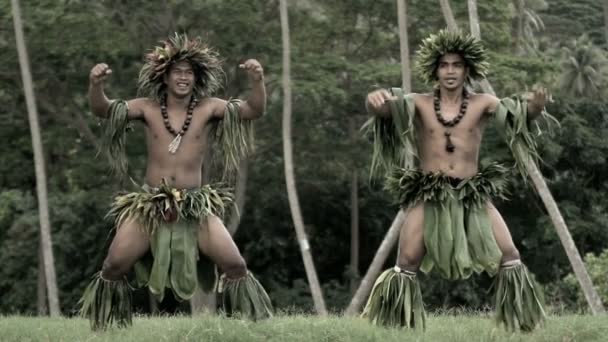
(173,218)
(458,233)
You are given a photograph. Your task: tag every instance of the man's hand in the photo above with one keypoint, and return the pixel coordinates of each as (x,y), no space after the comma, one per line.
(377,101)
(99,73)
(254,69)
(537,99)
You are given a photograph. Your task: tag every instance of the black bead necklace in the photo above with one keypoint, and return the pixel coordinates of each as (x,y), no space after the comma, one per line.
(449,146)
(174,145)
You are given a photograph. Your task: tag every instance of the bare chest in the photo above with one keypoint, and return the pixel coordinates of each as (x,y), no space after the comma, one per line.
(161,131)
(471,123)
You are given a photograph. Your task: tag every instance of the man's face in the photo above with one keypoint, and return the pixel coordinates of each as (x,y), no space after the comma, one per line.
(180,79)
(451,71)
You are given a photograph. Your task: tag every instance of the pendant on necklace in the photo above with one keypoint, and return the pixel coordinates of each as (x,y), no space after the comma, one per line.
(174,145)
(448,144)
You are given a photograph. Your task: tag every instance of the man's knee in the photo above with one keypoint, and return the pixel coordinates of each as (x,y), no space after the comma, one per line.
(409,261)
(235,269)
(510,254)
(113,269)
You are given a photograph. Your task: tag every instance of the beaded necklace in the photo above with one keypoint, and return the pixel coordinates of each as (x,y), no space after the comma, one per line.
(449,146)
(174,145)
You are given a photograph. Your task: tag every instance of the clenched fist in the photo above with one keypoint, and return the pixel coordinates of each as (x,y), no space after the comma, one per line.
(376,100)
(254,69)
(99,73)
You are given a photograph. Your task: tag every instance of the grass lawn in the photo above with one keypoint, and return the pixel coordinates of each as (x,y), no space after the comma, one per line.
(450,328)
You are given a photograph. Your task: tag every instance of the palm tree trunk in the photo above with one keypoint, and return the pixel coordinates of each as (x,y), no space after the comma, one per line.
(406,78)
(376,266)
(519,29)
(591,295)
(574,256)
(292,195)
(240,190)
(41,293)
(474,18)
(354,215)
(393,233)
(448,15)
(606,20)
(201,301)
(45,225)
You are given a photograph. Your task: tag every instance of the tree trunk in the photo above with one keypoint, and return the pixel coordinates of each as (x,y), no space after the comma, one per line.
(474,18)
(240,190)
(393,233)
(519,29)
(41,293)
(580,271)
(448,15)
(376,266)
(294,204)
(591,295)
(406,72)
(201,301)
(354,215)
(606,20)
(41,189)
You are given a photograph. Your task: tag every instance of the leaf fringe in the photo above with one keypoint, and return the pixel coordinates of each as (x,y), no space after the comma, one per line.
(396,301)
(244,296)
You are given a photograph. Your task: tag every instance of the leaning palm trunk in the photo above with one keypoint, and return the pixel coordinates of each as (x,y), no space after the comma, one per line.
(45,225)
(591,295)
(354,215)
(576,261)
(294,205)
(406,78)
(448,15)
(393,233)
(376,266)
(239,196)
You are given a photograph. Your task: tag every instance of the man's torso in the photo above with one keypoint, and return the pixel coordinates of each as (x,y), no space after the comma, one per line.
(466,136)
(183,168)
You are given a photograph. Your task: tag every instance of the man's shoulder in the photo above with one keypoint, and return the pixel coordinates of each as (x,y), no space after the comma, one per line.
(138,107)
(484,97)
(421,99)
(488,102)
(143,102)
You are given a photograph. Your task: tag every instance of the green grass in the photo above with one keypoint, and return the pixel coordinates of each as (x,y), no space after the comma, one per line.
(450,328)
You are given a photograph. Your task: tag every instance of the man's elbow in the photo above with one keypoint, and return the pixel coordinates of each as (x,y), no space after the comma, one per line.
(99,111)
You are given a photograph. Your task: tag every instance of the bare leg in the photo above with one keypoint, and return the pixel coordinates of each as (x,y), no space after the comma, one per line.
(411,239)
(215,242)
(130,243)
(502,235)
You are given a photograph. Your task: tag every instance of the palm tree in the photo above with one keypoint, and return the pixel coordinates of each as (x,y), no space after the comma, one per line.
(292,194)
(605,4)
(448,15)
(404,45)
(527,23)
(354,212)
(239,196)
(376,265)
(393,233)
(556,217)
(583,68)
(41,189)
